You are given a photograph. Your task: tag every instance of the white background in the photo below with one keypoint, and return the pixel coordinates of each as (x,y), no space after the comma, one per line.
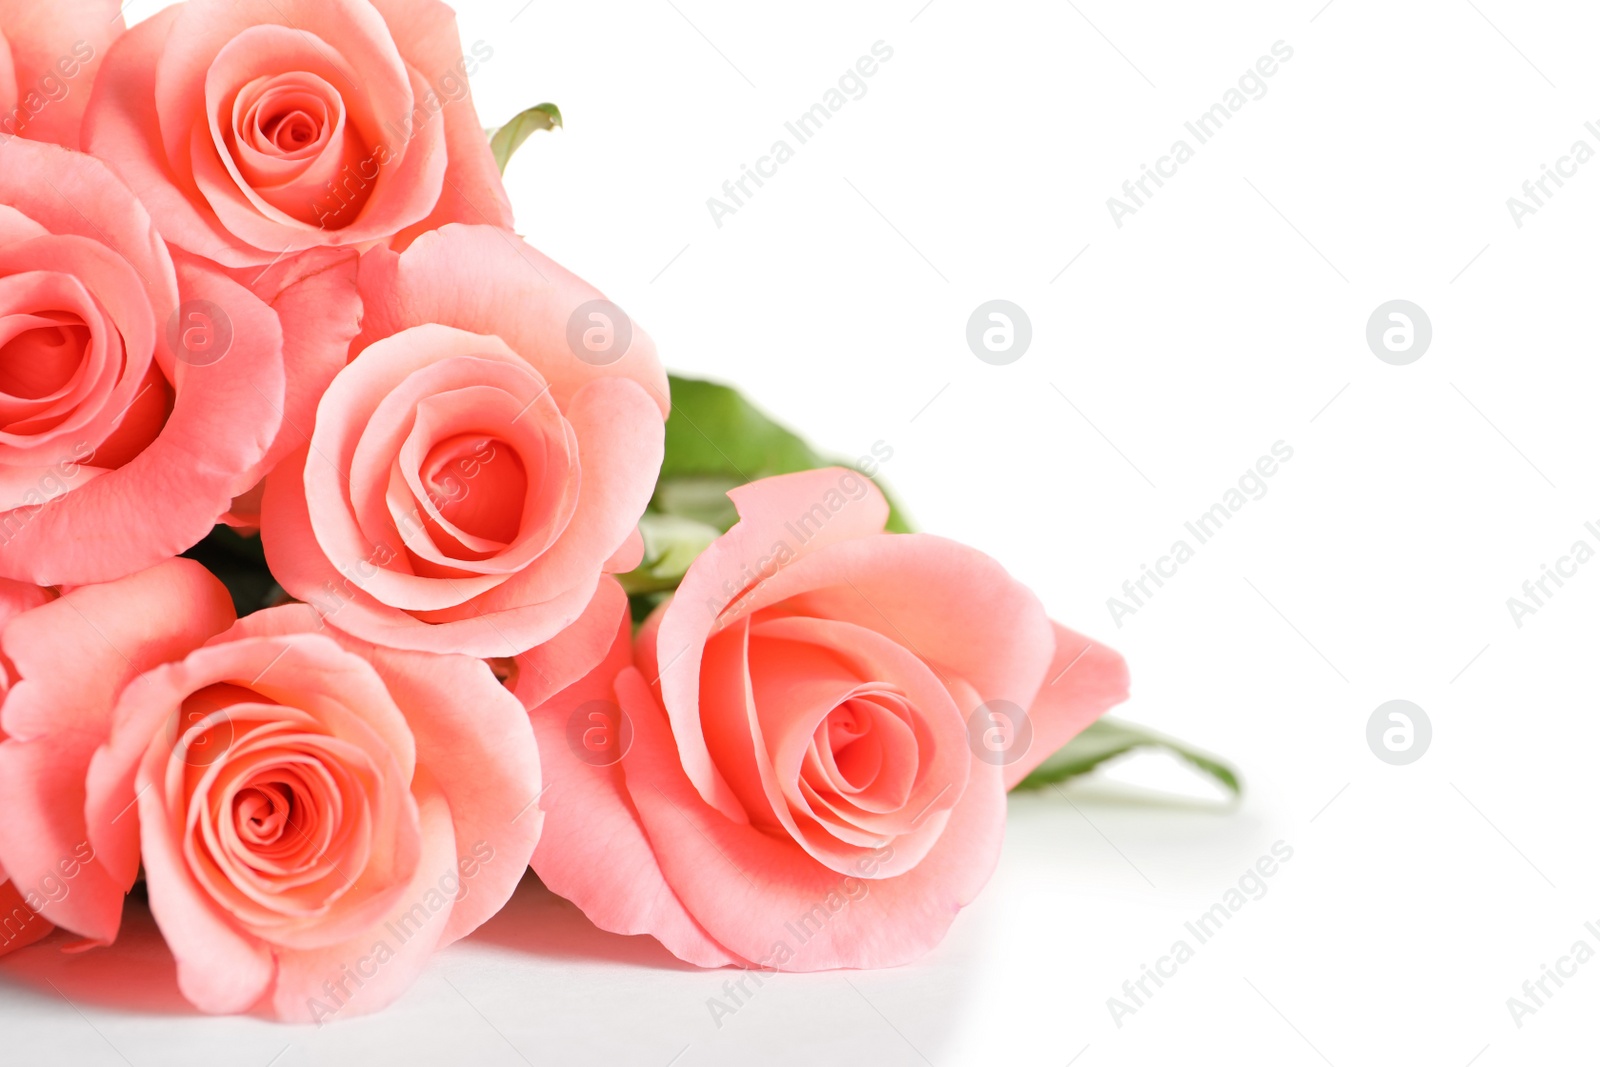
(1227,314)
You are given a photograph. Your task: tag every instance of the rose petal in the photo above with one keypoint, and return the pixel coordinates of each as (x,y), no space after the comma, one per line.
(74,656)
(486,280)
(426,34)
(54,46)
(764,540)
(319,307)
(546,669)
(313,986)
(1086,679)
(121,125)
(763,899)
(20,926)
(586,804)
(225,418)
(474,740)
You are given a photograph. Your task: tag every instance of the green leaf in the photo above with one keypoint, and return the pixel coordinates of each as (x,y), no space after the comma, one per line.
(1107,739)
(505,141)
(671,543)
(717,440)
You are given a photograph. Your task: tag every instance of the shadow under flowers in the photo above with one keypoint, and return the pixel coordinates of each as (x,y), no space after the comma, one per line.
(538,923)
(138,973)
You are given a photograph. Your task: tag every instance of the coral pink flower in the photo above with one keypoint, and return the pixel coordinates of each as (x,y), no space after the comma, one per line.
(314,815)
(259,128)
(806,765)
(471,475)
(137,396)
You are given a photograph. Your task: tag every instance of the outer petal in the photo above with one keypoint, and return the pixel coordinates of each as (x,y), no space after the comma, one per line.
(487,280)
(763,899)
(1086,679)
(426,33)
(951,605)
(319,307)
(122,127)
(629,556)
(85,198)
(594,851)
(219,969)
(15,598)
(74,656)
(20,926)
(8,83)
(546,669)
(474,742)
(55,45)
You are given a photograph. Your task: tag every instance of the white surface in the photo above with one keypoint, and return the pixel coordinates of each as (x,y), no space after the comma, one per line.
(1204,330)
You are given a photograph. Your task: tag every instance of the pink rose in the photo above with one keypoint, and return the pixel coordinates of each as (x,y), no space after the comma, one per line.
(470,477)
(809,765)
(259,128)
(20,924)
(314,815)
(137,396)
(49,53)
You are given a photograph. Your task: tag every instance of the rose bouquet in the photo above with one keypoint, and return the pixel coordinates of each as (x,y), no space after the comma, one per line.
(354,556)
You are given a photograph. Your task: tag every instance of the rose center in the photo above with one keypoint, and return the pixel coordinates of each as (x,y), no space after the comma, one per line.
(857,750)
(479,485)
(291,132)
(40,354)
(288,120)
(262,813)
(865,754)
(291,145)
